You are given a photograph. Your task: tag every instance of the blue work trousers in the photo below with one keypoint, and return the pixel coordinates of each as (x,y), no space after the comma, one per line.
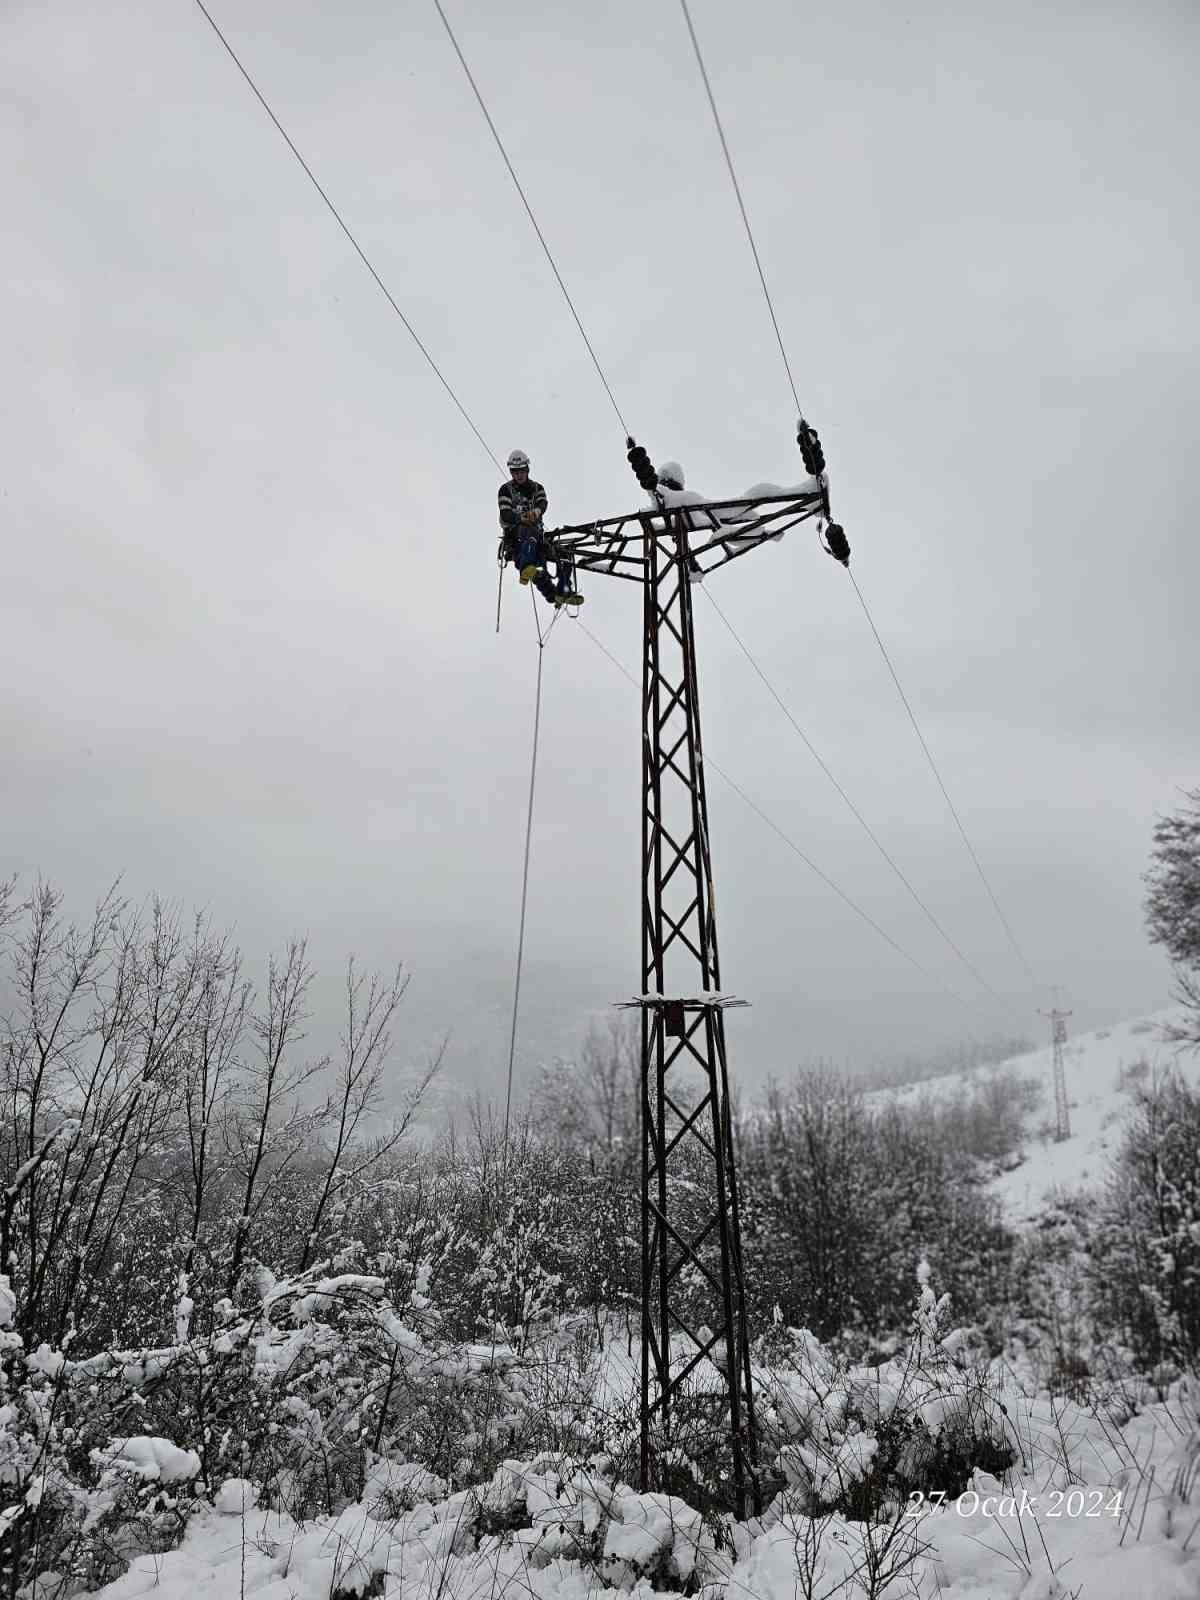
(531,551)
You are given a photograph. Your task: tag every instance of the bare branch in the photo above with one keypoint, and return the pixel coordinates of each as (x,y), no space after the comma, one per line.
(365,1046)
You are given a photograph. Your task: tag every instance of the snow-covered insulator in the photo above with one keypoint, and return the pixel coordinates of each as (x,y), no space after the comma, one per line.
(837,543)
(810,448)
(643,468)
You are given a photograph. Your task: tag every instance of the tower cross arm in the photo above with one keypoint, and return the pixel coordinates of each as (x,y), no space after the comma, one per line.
(720,530)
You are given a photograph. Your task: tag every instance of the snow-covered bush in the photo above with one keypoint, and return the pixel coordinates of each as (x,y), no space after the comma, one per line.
(558,1507)
(1173,909)
(859,1440)
(35,1504)
(1050,1320)
(1145,1276)
(292,1393)
(837,1199)
(74,1499)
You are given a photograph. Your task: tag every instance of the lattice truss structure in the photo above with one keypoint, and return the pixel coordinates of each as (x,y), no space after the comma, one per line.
(690,1226)
(719,530)
(1062,1111)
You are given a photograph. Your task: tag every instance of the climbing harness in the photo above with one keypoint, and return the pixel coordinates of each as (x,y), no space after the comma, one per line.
(568,600)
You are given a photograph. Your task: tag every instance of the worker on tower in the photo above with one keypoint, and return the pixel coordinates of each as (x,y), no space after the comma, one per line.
(523,503)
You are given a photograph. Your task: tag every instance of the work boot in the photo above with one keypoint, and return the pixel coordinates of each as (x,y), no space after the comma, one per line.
(569,597)
(530,571)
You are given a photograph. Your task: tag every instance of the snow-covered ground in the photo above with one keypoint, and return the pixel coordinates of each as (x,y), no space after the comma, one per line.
(1082,1518)
(1094,1510)
(1101,1068)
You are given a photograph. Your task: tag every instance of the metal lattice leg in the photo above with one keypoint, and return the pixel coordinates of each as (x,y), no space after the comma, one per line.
(686,1121)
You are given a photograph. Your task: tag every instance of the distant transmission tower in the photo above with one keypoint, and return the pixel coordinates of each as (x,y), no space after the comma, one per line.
(1058,1035)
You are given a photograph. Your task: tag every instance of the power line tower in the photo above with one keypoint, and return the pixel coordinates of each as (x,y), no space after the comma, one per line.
(1058,1035)
(693,1233)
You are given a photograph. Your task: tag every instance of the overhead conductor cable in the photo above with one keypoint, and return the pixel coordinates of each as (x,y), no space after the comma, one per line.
(542,637)
(835,548)
(337,217)
(487,116)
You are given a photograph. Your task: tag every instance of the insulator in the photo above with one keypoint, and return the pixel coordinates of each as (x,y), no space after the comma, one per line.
(643,467)
(810,448)
(837,543)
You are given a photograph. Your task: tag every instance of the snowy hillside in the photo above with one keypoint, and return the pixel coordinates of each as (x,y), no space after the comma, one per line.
(1101,1068)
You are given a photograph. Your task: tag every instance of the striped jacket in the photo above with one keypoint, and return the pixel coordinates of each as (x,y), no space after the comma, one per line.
(515,498)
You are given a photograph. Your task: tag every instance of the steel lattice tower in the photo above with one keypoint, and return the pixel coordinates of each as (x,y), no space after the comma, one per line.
(685,1110)
(1058,1036)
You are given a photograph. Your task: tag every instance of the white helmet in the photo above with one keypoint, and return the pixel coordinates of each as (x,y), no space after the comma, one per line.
(671,473)
(517,458)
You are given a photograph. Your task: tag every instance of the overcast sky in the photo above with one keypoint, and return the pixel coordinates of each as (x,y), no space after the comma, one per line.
(249,588)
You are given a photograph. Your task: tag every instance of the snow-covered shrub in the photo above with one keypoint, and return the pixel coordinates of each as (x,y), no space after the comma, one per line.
(534,1235)
(1145,1276)
(558,1507)
(36,1508)
(1173,910)
(281,1391)
(859,1440)
(837,1199)
(1049,1315)
(73,1499)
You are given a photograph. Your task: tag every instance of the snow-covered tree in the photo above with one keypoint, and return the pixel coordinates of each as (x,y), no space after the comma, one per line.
(1173,906)
(1146,1251)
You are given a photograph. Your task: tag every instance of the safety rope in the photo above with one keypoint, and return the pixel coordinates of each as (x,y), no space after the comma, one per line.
(543,635)
(537,723)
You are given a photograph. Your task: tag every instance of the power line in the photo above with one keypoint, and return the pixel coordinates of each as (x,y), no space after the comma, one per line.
(542,637)
(529,212)
(495,461)
(983,878)
(337,217)
(863,823)
(737,189)
(795,848)
(787,367)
